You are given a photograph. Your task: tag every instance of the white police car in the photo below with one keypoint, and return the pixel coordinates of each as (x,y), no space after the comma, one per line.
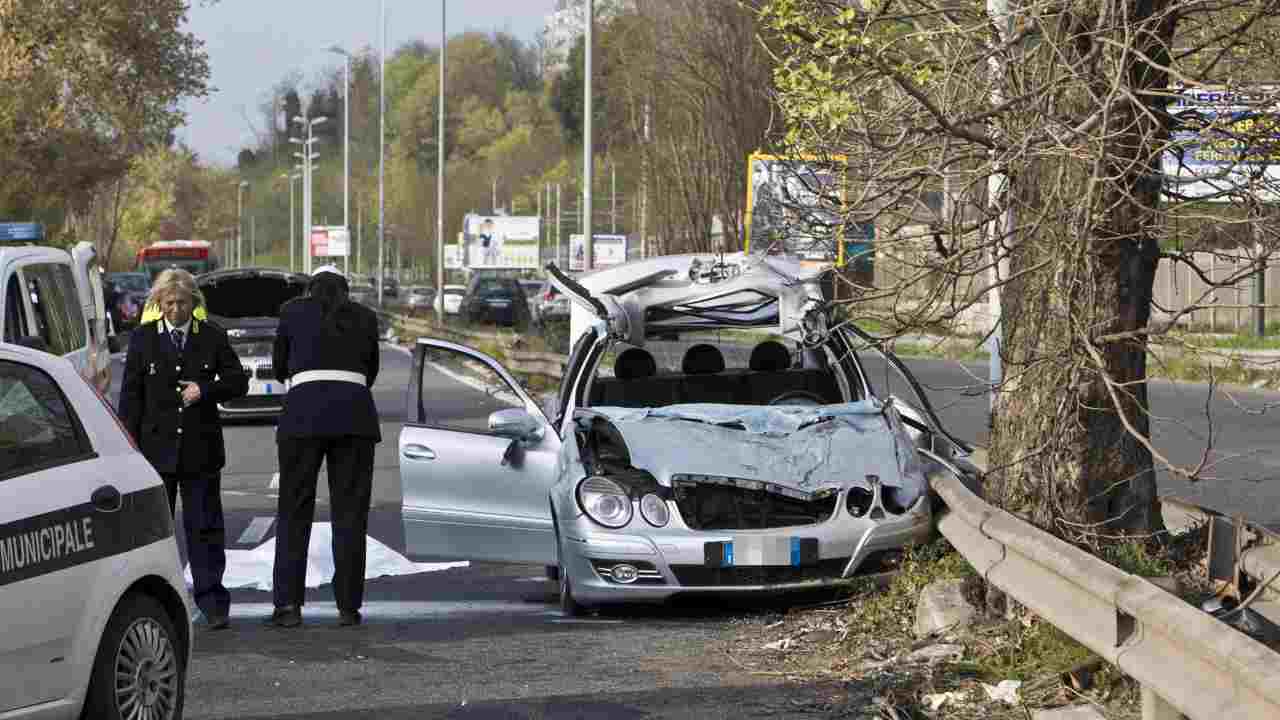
(94,614)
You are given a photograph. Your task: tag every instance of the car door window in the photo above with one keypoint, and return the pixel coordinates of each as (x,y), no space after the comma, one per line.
(38,428)
(56,306)
(15,314)
(460,392)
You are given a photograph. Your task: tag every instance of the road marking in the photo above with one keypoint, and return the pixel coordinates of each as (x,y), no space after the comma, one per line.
(275,481)
(257,529)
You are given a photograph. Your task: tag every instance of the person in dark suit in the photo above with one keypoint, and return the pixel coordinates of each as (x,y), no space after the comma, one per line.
(326,348)
(176,372)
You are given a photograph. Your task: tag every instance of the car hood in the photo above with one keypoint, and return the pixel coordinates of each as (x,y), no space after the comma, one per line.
(245,293)
(807,449)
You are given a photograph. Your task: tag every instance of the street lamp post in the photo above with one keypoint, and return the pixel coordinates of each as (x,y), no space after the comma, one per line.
(382,137)
(587,141)
(440,166)
(240,220)
(308,169)
(291,177)
(346,153)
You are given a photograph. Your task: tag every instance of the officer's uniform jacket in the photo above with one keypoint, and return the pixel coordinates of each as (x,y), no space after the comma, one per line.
(173,438)
(326,408)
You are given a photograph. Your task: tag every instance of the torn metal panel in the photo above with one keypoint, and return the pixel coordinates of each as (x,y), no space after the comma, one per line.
(808,449)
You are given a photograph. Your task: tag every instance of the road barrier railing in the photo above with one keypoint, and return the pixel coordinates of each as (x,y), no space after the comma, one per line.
(1187,661)
(530,362)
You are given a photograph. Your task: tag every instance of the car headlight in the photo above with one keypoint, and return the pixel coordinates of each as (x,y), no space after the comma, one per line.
(605,501)
(654,510)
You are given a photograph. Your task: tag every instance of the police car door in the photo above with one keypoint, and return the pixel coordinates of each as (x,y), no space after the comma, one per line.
(51,535)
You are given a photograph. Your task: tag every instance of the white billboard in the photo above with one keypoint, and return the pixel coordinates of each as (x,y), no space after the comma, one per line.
(1226,142)
(500,241)
(330,241)
(607,249)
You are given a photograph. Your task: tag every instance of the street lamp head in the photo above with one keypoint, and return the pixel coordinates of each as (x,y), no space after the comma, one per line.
(339,50)
(299,119)
(297,141)
(319,120)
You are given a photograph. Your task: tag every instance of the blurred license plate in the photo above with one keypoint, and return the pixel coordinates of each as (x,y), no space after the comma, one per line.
(755,550)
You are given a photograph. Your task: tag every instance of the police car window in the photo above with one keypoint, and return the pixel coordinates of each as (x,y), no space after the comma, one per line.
(58,317)
(37,428)
(15,316)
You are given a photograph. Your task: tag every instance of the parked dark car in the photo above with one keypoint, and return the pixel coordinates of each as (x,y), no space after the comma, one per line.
(125,294)
(363,294)
(390,286)
(246,303)
(496,300)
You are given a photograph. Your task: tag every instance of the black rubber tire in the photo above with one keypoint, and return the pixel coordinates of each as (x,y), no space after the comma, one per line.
(568,605)
(136,614)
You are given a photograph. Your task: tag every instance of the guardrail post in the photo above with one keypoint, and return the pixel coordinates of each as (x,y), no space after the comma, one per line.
(1155,707)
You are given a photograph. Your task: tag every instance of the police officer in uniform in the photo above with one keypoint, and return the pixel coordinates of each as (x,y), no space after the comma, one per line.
(326,347)
(176,372)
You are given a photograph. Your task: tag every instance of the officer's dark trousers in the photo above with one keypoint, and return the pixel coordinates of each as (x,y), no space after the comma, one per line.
(350,466)
(205,535)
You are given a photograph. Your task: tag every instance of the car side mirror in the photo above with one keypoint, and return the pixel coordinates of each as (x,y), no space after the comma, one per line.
(34,342)
(516,424)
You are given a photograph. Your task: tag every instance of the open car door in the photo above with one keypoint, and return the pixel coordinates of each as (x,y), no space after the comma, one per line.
(477,460)
(88,276)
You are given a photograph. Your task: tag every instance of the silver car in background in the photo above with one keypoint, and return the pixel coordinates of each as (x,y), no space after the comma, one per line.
(635,483)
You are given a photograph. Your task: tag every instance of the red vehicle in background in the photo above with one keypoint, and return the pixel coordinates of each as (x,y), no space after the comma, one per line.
(194,256)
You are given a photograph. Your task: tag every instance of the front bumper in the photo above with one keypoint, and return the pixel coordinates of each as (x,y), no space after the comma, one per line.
(673,560)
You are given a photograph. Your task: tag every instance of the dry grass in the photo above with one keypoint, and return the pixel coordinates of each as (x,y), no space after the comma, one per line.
(866,643)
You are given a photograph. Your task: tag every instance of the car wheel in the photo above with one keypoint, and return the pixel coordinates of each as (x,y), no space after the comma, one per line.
(568,605)
(140,669)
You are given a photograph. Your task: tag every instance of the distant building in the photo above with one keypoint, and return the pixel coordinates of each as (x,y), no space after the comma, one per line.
(568,23)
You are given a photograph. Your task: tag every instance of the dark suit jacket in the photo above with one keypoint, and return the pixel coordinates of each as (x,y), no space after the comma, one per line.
(327,408)
(173,438)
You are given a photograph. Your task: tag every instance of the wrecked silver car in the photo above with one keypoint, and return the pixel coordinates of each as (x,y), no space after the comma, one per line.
(646,476)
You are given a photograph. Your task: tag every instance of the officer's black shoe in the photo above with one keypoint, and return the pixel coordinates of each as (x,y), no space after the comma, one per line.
(219,621)
(287,616)
(349,617)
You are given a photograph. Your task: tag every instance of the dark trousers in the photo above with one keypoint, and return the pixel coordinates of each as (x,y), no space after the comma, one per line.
(205,535)
(350,464)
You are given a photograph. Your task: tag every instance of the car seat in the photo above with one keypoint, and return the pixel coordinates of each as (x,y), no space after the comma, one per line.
(634,363)
(702,359)
(770,356)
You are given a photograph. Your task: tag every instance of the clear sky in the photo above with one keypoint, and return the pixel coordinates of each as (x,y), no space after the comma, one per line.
(254,44)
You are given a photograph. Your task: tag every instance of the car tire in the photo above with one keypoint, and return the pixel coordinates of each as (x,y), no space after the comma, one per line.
(568,605)
(140,638)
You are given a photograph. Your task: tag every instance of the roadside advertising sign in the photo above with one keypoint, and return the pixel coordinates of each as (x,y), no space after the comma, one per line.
(1225,141)
(795,205)
(21,232)
(453,254)
(607,250)
(500,241)
(330,241)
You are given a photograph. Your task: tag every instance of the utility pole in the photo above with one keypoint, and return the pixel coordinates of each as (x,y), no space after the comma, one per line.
(440,164)
(253,239)
(588,140)
(382,136)
(359,233)
(559,254)
(644,187)
(997,194)
(613,197)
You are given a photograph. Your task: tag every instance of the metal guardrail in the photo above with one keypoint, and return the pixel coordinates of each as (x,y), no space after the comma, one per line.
(1187,661)
(529,362)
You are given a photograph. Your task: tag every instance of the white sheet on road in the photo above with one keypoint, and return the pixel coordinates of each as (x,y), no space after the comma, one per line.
(252,569)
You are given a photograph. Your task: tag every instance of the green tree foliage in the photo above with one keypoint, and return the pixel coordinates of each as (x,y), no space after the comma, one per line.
(84,88)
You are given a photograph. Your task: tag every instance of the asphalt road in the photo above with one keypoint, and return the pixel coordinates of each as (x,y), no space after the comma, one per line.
(486,640)
(479,640)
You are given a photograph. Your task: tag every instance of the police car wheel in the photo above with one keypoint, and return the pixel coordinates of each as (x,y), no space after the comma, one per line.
(139,670)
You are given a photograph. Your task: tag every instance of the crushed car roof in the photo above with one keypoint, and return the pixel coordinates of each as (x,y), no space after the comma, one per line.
(671,293)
